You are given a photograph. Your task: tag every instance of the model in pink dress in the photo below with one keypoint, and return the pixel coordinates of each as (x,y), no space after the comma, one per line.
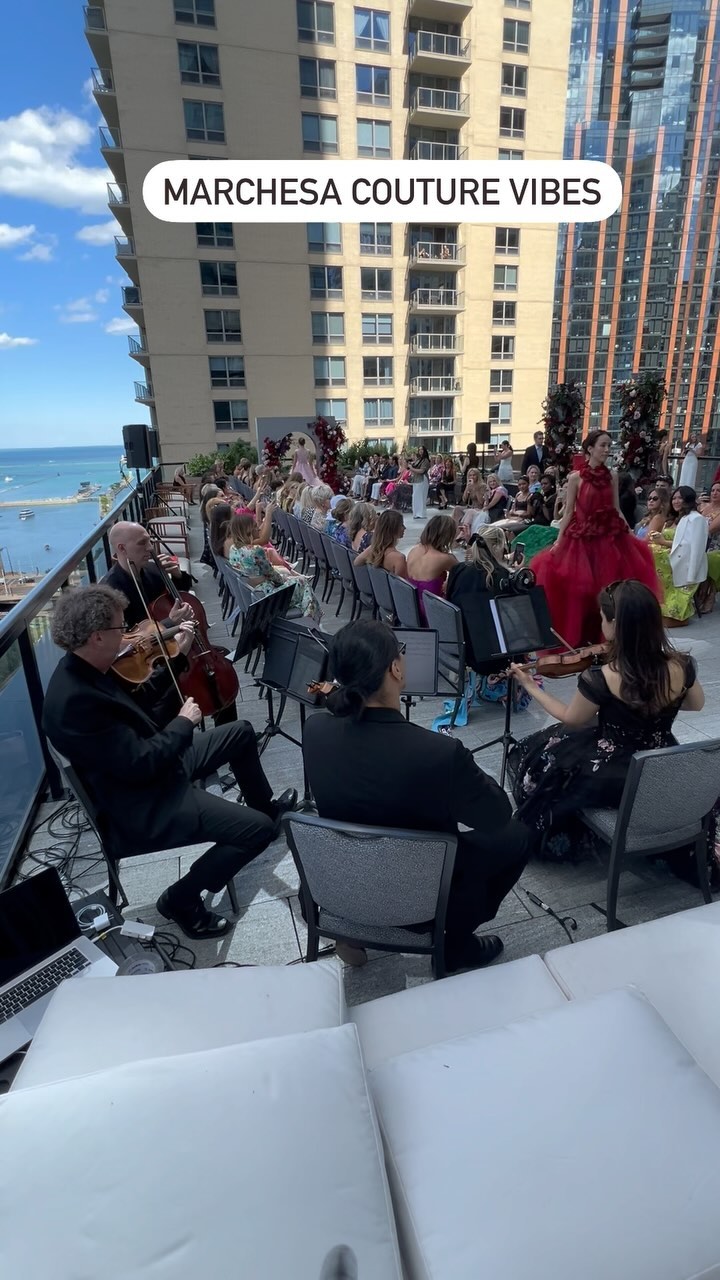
(301,462)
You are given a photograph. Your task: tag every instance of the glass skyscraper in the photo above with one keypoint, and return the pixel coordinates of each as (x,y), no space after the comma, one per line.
(641,291)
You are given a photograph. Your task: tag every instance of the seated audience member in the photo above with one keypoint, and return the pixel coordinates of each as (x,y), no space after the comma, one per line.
(429,563)
(496,499)
(208,492)
(220,528)
(180,481)
(383,552)
(287,493)
(360,525)
(360,479)
(658,510)
(363,739)
(321,496)
(710,511)
(628,705)
(435,475)
(470,586)
(389,472)
(252,563)
(520,503)
(305,509)
(139,770)
(131,546)
(533,476)
(681,559)
(471,513)
(399,492)
(541,508)
(337,527)
(446,491)
(542,502)
(627,498)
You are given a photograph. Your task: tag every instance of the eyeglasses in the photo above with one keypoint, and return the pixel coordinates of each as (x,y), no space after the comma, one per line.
(402,647)
(124,627)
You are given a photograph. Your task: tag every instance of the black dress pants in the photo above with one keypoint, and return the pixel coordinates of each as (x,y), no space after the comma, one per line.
(486,868)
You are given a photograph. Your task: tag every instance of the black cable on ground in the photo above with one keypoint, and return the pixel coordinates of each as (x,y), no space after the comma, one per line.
(64,829)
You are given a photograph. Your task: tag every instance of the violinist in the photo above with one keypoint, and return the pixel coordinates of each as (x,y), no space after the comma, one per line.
(627,705)
(131,543)
(139,767)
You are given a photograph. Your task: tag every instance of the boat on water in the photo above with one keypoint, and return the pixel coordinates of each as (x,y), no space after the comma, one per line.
(26,515)
(7,479)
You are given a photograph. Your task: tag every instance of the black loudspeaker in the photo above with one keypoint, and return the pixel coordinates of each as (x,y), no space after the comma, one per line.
(137,447)
(482,432)
(154,443)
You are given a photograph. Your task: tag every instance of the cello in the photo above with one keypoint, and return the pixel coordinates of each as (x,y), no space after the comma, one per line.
(211,679)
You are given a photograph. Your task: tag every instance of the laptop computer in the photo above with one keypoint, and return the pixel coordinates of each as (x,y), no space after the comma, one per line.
(41,945)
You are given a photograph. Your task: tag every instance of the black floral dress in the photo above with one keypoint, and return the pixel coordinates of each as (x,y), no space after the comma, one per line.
(557,771)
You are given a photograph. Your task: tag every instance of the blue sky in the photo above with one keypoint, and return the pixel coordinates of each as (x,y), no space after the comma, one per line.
(65,375)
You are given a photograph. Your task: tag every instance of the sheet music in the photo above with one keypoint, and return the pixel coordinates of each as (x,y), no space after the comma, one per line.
(421,660)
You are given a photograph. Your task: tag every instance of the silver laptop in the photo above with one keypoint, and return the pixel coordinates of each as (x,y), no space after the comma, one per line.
(40,946)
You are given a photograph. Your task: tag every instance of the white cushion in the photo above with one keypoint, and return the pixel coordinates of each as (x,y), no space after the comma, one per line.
(438,1011)
(252,1161)
(674,961)
(125,1019)
(580,1142)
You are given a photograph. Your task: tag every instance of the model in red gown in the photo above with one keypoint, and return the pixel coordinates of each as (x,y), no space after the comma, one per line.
(595,547)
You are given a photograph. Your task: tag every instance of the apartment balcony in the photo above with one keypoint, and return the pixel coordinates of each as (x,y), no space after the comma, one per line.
(440,10)
(442,343)
(127,257)
(119,204)
(439,252)
(111,148)
(96,32)
(445,384)
(438,55)
(436,300)
(144,393)
(103,88)
(132,303)
(432,106)
(434,426)
(138,351)
(422,150)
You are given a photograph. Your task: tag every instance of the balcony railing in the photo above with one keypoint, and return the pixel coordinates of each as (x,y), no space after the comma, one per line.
(434,426)
(437,251)
(131,296)
(144,392)
(436,299)
(449,100)
(422,150)
(436,342)
(94,18)
(431,42)
(136,347)
(124,247)
(117,193)
(102,80)
(110,139)
(438,384)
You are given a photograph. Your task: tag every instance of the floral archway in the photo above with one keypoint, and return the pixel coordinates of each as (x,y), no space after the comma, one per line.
(563,410)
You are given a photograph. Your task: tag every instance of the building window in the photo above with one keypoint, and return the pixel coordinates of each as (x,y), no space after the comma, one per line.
(204,121)
(512,122)
(372,30)
(329,371)
(218,279)
(506,278)
(231,415)
(509,153)
(373,138)
(316,21)
(324,237)
(199,63)
(514,80)
(227,371)
(201,13)
(372,84)
(327,327)
(376,284)
(317,78)
(501,380)
(376,237)
(223,326)
(516,36)
(336,409)
(215,235)
(502,348)
(326,282)
(377,328)
(503,312)
(507,240)
(518,4)
(378,413)
(319,133)
(500,413)
(377,371)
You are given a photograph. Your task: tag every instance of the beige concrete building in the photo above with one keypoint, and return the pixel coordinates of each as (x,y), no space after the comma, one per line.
(402,332)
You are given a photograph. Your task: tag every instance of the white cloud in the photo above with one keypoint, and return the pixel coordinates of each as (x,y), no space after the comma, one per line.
(10,237)
(6,342)
(102,295)
(121,324)
(38,160)
(98,233)
(40,252)
(79,311)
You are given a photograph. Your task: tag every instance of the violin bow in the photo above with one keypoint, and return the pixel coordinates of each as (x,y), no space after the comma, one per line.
(158,629)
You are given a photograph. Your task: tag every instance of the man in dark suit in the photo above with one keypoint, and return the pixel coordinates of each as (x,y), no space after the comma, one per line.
(536,455)
(139,765)
(367,764)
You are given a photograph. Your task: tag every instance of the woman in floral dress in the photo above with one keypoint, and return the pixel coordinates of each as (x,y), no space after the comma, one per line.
(251,562)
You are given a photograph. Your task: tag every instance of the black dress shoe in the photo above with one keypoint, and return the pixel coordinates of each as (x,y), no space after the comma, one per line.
(474,953)
(284,803)
(195,921)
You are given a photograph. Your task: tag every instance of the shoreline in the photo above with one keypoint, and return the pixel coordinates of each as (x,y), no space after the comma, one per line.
(48,502)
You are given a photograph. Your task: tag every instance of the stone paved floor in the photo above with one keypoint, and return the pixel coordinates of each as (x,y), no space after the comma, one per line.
(270,929)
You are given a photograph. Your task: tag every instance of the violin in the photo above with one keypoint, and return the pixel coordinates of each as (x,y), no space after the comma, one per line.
(555,666)
(142,652)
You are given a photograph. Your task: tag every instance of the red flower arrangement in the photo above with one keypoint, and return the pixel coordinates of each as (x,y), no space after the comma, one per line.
(641,400)
(273,451)
(330,439)
(563,409)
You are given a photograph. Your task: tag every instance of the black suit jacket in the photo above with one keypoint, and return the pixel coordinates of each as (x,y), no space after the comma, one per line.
(152,585)
(383,771)
(131,764)
(530,459)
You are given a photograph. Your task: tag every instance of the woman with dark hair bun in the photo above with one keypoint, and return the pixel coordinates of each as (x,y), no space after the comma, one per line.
(367,763)
(594,546)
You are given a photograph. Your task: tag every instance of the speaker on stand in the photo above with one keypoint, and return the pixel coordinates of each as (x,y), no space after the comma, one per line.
(137,448)
(482,436)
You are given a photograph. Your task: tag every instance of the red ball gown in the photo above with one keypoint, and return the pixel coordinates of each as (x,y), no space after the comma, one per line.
(597,548)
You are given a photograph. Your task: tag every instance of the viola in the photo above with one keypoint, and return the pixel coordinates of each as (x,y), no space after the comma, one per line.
(555,666)
(142,652)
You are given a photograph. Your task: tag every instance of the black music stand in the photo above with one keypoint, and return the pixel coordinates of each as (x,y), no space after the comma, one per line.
(421,664)
(258,619)
(295,657)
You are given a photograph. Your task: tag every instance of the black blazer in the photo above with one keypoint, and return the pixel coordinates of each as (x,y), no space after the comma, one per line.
(467,589)
(152,585)
(530,459)
(131,763)
(383,771)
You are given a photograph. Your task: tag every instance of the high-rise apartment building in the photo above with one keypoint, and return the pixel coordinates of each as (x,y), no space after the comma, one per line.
(402,332)
(641,291)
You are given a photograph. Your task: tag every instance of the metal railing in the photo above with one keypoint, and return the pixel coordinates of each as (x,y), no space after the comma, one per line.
(434,299)
(94,18)
(438,383)
(423,150)
(451,100)
(436,342)
(124,247)
(28,658)
(131,296)
(136,347)
(102,80)
(437,251)
(144,392)
(110,139)
(433,426)
(431,42)
(117,193)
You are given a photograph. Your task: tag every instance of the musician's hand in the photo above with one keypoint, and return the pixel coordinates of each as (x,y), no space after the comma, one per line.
(169,563)
(190,711)
(185,637)
(522,675)
(180,613)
